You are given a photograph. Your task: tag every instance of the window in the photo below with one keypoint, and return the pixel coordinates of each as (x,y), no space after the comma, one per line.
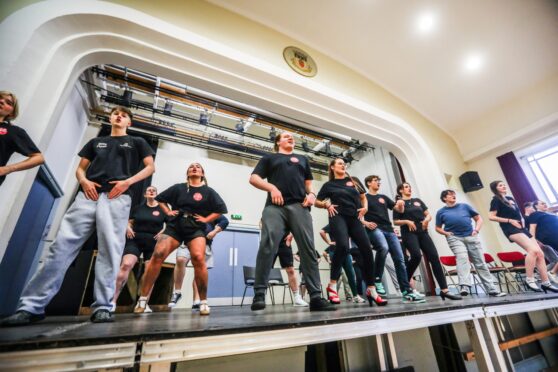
(544,165)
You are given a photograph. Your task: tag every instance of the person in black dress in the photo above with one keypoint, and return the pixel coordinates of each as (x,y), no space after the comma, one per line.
(144,228)
(345,201)
(414,233)
(505,211)
(194,204)
(544,227)
(14,139)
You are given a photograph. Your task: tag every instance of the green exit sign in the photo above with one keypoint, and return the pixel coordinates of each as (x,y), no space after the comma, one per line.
(236,217)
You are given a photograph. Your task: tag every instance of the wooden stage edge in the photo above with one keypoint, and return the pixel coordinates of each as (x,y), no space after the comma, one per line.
(185,335)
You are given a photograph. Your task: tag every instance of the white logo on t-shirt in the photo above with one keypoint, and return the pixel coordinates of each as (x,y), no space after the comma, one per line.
(126,145)
(101,145)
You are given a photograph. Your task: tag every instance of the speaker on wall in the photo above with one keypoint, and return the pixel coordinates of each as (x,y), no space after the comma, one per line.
(470,181)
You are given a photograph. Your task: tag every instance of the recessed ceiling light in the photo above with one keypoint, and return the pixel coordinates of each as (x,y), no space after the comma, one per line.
(473,62)
(426,22)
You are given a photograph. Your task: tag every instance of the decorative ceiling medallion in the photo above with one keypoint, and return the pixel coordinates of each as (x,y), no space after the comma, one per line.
(300,61)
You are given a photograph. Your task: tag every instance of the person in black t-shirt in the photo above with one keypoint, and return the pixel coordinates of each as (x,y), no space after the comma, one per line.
(194,204)
(14,139)
(383,238)
(144,228)
(108,167)
(544,227)
(414,232)
(290,194)
(505,211)
(345,201)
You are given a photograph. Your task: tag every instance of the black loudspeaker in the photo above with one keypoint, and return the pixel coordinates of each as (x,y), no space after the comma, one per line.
(470,181)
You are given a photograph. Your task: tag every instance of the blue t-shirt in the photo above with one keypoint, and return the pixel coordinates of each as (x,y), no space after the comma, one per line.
(457,219)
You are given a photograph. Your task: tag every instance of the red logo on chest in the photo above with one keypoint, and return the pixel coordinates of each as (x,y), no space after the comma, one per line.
(381,200)
(197,196)
(417,204)
(350,184)
(294,159)
(3,131)
(156,213)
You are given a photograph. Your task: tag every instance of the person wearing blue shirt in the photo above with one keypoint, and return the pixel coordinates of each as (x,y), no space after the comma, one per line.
(454,222)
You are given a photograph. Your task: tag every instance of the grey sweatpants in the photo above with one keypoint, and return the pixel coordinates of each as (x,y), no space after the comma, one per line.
(469,248)
(110,217)
(276,221)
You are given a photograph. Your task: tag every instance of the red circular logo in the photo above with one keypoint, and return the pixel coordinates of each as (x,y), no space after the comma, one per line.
(156,213)
(417,204)
(381,200)
(197,196)
(3,131)
(294,159)
(350,184)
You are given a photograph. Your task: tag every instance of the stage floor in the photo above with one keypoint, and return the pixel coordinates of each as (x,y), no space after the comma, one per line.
(62,332)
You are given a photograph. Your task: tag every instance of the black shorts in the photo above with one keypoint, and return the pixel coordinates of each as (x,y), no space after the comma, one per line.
(142,243)
(509,229)
(285,254)
(185,229)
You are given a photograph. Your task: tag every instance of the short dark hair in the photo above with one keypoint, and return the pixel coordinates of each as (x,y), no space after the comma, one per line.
(371,178)
(445,193)
(123,109)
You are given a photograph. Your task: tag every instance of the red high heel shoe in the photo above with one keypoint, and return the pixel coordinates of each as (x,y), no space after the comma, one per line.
(332,296)
(378,300)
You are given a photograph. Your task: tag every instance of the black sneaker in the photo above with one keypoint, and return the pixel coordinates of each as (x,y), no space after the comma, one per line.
(21,318)
(102,316)
(321,304)
(196,306)
(258,303)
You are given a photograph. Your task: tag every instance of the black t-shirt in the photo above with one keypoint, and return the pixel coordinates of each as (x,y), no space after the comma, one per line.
(503,210)
(148,219)
(414,211)
(287,172)
(202,200)
(547,224)
(14,139)
(342,193)
(378,211)
(114,158)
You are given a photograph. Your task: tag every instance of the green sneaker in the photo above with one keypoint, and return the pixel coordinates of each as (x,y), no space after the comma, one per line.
(380,288)
(410,297)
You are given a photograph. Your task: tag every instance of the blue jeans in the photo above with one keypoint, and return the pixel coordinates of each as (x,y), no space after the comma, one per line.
(384,242)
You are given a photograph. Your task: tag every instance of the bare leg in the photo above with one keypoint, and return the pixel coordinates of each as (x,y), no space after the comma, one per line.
(196,292)
(293,283)
(179,272)
(165,246)
(535,256)
(197,252)
(127,264)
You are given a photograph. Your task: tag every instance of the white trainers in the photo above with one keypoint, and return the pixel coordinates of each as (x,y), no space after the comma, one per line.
(418,294)
(141,305)
(358,300)
(147,309)
(174,299)
(553,277)
(299,302)
(112,307)
(204,309)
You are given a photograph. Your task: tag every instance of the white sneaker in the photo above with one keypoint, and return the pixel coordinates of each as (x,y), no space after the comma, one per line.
(174,299)
(112,307)
(299,302)
(147,309)
(141,305)
(418,294)
(204,309)
(359,300)
(553,277)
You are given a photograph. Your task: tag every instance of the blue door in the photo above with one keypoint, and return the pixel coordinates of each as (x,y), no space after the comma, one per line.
(245,251)
(26,242)
(220,287)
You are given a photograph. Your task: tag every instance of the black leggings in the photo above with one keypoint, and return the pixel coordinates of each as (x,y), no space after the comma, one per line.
(421,241)
(341,229)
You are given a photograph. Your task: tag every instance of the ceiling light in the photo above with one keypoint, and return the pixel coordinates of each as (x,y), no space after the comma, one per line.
(426,22)
(473,62)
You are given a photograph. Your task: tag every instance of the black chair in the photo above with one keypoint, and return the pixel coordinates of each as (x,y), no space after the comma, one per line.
(276,280)
(249,279)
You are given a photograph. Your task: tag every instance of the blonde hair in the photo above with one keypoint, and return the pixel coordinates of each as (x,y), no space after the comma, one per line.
(15,111)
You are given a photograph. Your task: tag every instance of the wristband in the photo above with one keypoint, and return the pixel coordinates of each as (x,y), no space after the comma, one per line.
(313,193)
